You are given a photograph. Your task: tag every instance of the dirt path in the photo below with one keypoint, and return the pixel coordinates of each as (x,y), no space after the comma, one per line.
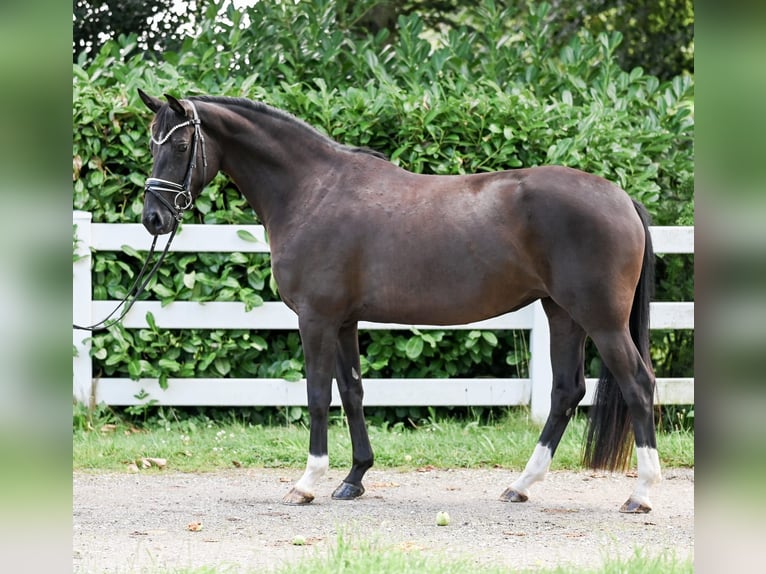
(139,522)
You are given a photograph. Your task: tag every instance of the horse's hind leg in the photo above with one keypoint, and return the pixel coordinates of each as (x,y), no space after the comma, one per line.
(347,373)
(567,356)
(636,384)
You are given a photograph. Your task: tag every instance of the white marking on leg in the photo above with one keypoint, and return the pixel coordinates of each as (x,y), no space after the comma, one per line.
(316,466)
(354,373)
(535,471)
(649,474)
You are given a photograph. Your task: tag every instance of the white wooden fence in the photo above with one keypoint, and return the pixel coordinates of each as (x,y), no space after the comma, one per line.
(533,391)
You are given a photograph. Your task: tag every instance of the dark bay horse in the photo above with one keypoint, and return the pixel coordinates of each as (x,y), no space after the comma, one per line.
(354,237)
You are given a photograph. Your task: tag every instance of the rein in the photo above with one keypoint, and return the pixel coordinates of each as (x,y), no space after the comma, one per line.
(135,288)
(181,202)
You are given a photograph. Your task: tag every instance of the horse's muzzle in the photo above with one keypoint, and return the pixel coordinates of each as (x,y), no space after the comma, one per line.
(161,221)
(157,222)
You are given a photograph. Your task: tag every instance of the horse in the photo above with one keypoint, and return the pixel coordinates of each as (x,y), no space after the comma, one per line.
(356,238)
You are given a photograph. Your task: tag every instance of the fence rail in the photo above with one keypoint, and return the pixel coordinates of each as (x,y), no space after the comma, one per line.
(533,391)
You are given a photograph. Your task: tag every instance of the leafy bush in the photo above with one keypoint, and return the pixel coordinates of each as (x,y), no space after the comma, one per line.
(457,102)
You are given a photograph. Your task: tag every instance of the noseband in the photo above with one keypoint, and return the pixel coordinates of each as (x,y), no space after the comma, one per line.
(183,197)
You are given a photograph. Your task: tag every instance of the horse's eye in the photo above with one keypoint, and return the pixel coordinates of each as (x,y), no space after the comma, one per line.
(183,146)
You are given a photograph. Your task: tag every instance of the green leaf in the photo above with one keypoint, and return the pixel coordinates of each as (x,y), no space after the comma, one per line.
(206,361)
(169,365)
(130,251)
(203,204)
(251,300)
(238,258)
(114,360)
(295,413)
(414,348)
(379,364)
(489,337)
(134,370)
(163,291)
(258,342)
(429,338)
(96,178)
(245,235)
(223,366)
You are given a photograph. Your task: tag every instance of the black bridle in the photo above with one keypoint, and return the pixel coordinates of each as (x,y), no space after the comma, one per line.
(183,197)
(181,202)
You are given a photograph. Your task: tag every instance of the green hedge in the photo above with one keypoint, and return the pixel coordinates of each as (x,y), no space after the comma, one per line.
(453,103)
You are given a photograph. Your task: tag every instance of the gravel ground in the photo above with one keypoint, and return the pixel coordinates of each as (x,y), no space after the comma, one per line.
(145,522)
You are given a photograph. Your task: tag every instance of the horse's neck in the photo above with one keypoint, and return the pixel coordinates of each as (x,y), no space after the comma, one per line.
(272,162)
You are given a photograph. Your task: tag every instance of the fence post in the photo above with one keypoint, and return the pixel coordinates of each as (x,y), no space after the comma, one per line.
(82,293)
(540,372)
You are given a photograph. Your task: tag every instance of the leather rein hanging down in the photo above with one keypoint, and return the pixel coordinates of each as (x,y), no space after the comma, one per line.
(181,202)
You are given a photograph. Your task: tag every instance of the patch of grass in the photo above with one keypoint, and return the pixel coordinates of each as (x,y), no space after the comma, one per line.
(371,557)
(353,557)
(202,444)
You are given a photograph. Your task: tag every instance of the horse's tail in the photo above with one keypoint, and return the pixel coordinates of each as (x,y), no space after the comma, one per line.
(609,438)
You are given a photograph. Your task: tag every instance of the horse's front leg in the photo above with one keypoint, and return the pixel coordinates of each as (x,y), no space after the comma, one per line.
(319,338)
(347,373)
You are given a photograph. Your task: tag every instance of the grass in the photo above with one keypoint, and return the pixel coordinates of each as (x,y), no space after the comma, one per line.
(202,445)
(365,556)
(370,557)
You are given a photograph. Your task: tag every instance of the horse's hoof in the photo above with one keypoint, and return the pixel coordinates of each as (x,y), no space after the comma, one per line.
(634,507)
(347,491)
(513,495)
(297,498)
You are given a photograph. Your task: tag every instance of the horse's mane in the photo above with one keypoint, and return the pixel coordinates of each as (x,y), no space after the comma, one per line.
(260,107)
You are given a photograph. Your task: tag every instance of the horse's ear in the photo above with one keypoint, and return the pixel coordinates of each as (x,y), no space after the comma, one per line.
(175,105)
(153,104)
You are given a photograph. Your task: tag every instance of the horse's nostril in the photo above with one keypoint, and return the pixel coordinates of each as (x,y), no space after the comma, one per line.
(152,221)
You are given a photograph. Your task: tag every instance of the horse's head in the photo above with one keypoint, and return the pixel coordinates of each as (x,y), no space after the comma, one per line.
(180,168)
